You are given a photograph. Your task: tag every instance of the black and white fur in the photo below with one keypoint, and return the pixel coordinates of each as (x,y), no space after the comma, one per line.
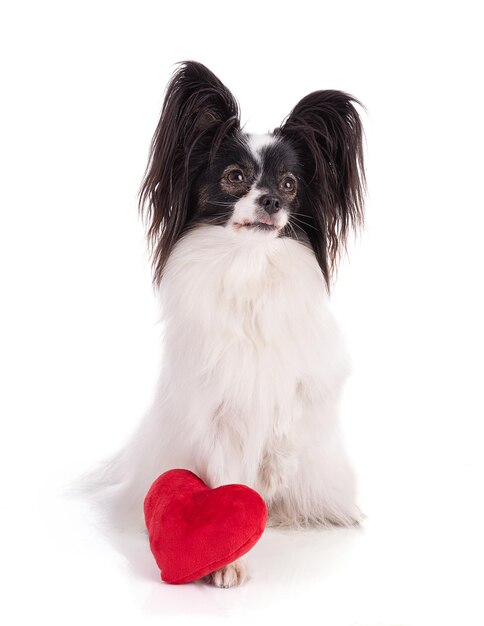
(245,232)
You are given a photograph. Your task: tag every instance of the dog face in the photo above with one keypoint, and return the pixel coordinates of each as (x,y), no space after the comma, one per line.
(252,185)
(304,180)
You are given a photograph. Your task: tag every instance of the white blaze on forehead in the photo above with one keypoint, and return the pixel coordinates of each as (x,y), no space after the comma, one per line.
(257,142)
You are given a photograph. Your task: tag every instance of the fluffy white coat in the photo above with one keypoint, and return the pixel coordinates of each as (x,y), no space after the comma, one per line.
(252,370)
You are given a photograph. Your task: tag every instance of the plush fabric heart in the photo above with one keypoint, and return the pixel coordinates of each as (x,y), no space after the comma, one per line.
(194,530)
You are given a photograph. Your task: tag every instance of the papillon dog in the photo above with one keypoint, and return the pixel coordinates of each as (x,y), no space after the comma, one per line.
(245,232)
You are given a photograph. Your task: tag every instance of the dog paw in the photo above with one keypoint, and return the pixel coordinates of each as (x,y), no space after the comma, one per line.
(231,575)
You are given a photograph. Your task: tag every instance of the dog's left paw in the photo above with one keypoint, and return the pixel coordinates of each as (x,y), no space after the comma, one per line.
(231,575)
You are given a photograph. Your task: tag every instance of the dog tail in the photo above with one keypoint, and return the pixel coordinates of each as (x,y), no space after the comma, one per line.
(113,491)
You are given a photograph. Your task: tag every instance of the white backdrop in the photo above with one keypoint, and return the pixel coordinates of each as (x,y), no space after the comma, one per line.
(82,85)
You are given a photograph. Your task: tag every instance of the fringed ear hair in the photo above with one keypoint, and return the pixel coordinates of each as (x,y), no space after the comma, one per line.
(198,112)
(326,131)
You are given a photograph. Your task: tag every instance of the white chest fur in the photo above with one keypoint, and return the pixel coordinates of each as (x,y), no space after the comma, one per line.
(247,335)
(251,367)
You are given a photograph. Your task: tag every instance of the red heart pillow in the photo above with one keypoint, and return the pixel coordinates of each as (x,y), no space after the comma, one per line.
(194,530)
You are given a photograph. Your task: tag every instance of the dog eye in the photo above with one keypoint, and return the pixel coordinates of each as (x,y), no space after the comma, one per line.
(235,176)
(289,184)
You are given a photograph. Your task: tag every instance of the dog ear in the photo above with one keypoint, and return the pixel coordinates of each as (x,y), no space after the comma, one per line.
(198,112)
(326,131)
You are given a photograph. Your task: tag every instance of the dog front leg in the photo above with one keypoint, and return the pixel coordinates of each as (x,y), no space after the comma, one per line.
(221,462)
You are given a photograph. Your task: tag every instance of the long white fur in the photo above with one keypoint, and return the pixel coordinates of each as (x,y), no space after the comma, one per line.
(252,369)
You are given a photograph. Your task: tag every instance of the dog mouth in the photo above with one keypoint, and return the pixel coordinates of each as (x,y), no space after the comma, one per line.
(262,226)
(267,226)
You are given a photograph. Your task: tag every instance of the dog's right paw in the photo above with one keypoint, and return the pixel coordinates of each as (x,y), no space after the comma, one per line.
(232,575)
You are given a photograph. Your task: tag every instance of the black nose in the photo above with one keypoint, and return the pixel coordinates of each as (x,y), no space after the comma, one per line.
(271,204)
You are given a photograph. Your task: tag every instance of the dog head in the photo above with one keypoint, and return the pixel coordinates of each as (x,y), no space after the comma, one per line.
(304,180)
